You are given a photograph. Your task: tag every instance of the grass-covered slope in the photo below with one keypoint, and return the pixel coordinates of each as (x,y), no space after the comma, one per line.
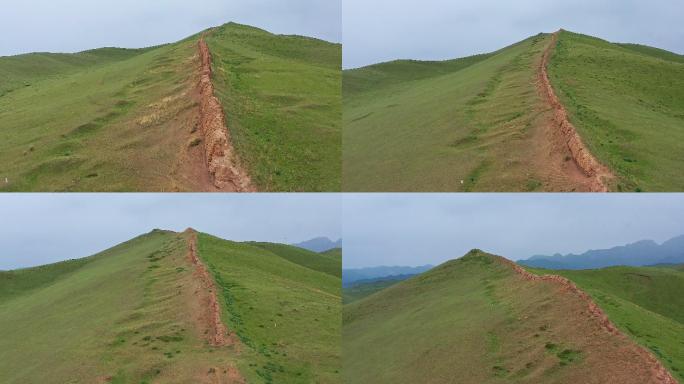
(281,95)
(627,102)
(335,253)
(123,316)
(461,125)
(118,122)
(136,313)
(475,320)
(319,262)
(358,291)
(22,70)
(644,302)
(481,123)
(126,120)
(377,76)
(286,315)
(18,282)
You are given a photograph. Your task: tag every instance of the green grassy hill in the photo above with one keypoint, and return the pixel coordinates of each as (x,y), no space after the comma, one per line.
(115,125)
(377,76)
(319,262)
(476,320)
(481,124)
(627,103)
(126,120)
(18,282)
(21,70)
(335,253)
(463,125)
(644,302)
(130,315)
(285,312)
(358,291)
(282,100)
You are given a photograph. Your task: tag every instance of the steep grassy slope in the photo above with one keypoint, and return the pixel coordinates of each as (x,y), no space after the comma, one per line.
(118,126)
(138,313)
(22,70)
(482,123)
(644,302)
(127,120)
(18,282)
(463,125)
(477,320)
(306,258)
(123,316)
(375,77)
(286,314)
(358,291)
(335,254)
(282,100)
(627,103)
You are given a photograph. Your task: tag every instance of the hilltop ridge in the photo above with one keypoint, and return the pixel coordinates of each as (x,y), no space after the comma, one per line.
(468,124)
(173,307)
(85,118)
(536,329)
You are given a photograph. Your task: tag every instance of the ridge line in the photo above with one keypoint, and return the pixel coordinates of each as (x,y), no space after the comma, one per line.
(218,334)
(660,374)
(222,161)
(585,160)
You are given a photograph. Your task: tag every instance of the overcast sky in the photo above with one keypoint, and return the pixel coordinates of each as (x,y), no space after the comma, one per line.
(77,25)
(418,229)
(383,30)
(36,229)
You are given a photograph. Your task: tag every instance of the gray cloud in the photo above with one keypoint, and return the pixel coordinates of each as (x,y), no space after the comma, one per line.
(417,229)
(42,228)
(76,25)
(383,30)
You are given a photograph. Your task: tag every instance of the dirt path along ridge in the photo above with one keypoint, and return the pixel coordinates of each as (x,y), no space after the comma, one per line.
(597,173)
(222,161)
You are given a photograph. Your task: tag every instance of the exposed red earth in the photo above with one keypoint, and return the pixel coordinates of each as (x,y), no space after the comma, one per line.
(597,175)
(222,161)
(644,367)
(217,333)
(208,317)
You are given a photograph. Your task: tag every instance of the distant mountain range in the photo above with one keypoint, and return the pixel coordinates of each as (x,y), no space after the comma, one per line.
(641,253)
(351,276)
(319,244)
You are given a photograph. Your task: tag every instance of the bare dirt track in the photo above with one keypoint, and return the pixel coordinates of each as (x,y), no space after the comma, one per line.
(564,137)
(207,312)
(222,161)
(636,364)
(216,332)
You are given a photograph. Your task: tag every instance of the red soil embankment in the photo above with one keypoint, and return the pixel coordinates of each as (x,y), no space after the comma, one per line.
(658,372)
(586,162)
(222,161)
(217,333)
